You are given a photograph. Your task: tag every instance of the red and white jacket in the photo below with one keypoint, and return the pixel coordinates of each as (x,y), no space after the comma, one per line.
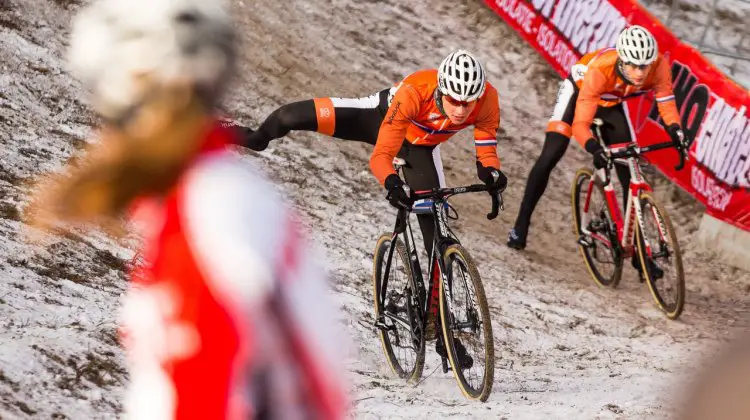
(229,316)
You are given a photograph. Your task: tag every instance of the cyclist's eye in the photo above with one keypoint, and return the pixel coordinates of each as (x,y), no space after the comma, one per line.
(638,66)
(457,103)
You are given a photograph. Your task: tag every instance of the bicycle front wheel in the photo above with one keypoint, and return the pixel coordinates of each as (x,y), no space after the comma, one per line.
(660,258)
(397,320)
(467,330)
(593,228)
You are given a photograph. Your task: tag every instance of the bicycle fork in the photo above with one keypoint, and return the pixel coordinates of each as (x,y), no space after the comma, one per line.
(438,277)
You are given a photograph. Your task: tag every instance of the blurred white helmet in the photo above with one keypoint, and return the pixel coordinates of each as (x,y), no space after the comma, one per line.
(636,45)
(118,44)
(461,77)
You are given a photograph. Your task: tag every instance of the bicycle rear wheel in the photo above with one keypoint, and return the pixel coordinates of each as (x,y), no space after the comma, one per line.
(594,230)
(399,325)
(658,250)
(465,319)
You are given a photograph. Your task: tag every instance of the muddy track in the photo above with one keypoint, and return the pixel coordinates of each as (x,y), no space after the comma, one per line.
(565,348)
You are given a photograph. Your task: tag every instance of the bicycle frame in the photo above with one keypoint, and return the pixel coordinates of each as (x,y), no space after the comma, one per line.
(624,243)
(442,235)
(624,226)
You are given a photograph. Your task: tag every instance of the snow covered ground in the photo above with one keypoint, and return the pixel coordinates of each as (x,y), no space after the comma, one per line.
(565,348)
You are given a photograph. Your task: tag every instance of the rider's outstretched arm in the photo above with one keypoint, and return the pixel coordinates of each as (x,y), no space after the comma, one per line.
(593,87)
(665,100)
(404,107)
(485,131)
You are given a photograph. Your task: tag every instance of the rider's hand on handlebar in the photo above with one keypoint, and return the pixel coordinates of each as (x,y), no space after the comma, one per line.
(495,179)
(680,142)
(601,160)
(399,194)
(677,135)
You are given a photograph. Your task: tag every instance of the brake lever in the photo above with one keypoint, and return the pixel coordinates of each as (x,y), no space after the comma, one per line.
(682,150)
(497,205)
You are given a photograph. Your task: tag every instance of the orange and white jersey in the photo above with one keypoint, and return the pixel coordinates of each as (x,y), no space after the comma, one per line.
(413,115)
(599,84)
(229,317)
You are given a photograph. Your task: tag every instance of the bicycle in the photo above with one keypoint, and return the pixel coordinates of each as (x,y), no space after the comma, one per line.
(606,239)
(402,304)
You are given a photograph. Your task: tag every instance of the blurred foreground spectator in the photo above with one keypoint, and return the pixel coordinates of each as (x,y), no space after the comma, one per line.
(229,316)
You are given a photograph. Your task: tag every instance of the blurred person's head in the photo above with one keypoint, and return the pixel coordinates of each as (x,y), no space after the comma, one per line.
(153,70)
(126,51)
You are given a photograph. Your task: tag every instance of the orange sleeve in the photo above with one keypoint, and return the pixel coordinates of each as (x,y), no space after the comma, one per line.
(485,131)
(404,108)
(594,84)
(665,100)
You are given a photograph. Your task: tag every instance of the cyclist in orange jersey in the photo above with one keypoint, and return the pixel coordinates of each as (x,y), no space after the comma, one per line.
(596,88)
(408,120)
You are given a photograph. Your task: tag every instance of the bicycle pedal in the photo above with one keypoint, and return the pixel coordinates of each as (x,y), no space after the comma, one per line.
(584,241)
(381,325)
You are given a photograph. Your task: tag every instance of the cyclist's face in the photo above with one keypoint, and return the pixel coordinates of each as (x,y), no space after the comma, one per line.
(636,74)
(457,111)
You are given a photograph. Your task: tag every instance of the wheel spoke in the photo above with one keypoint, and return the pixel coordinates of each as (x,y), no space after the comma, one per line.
(595,230)
(466,342)
(394,319)
(664,263)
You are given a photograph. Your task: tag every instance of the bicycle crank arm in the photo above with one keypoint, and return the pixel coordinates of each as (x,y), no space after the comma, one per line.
(472,326)
(446,365)
(661,254)
(381,325)
(393,318)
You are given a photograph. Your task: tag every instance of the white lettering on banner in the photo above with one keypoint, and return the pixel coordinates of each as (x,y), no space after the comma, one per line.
(610,22)
(717,197)
(562,12)
(556,47)
(519,11)
(544,6)
(588,25)
(723,145)
(584,28)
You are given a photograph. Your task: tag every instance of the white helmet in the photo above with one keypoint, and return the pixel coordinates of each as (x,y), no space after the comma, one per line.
(461,76)
(636,45)
(115,43)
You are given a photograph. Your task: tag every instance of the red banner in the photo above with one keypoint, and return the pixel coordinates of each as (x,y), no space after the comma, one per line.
(712,107)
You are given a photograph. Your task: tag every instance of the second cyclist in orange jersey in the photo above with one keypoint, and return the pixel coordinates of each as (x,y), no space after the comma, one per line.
(596,88)
(604,87)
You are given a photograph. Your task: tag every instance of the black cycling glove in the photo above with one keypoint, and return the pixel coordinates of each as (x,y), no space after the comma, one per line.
(495,179)
(601,160)
(399,194)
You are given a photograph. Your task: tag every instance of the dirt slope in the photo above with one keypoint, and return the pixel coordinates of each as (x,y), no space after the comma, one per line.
(566,348)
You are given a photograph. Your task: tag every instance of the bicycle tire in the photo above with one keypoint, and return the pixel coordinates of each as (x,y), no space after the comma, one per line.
(482,392)
(582,178)
(414,372)
(672,309)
